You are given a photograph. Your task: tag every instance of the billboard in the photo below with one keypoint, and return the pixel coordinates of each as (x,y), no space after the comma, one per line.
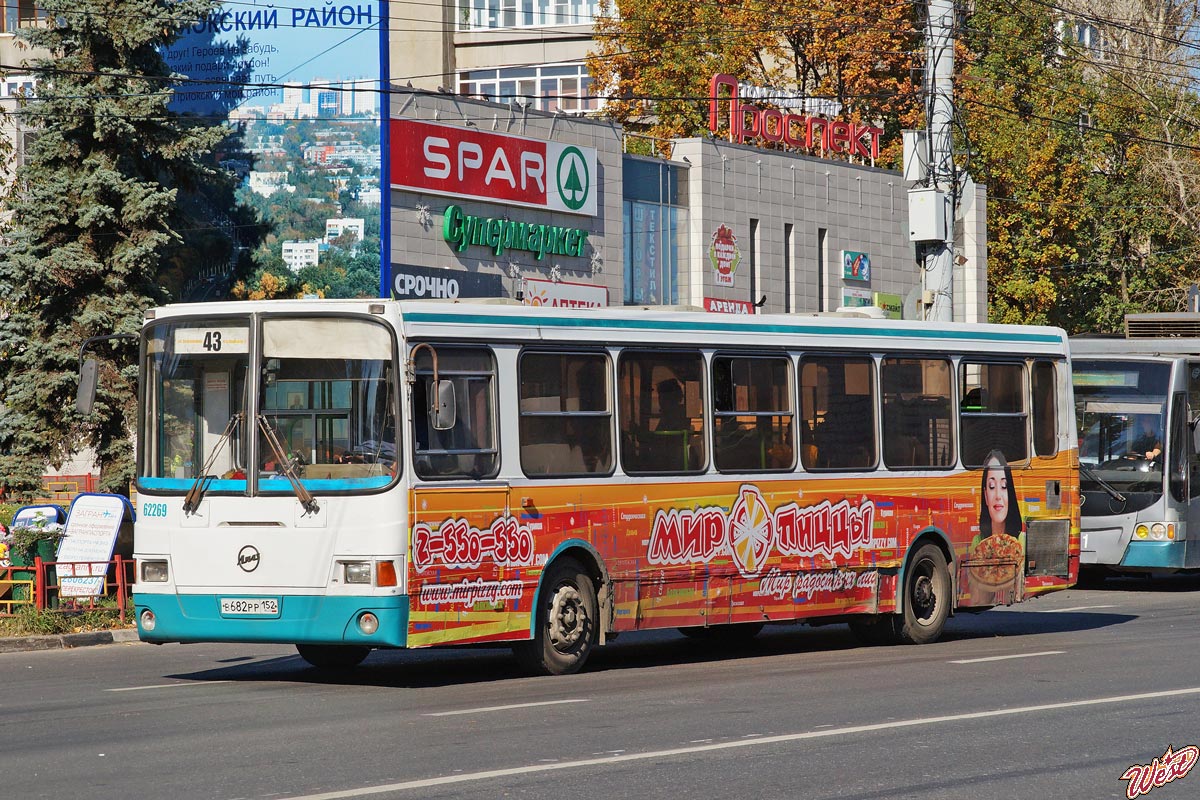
(302,82)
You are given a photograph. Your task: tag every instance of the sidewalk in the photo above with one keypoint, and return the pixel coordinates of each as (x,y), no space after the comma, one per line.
(67,641)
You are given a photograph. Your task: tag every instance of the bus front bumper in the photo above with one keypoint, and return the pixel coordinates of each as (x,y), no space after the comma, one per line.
(1155,555)
(302,619)
(1105,545)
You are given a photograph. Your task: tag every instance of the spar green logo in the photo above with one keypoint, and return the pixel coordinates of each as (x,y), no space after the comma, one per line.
(574,181)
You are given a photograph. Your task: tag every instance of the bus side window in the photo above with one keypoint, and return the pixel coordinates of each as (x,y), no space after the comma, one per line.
(468,449)
(752,414)
(1045,409)
(917,421)
(565,414)
(660,399)
(1179,451)
(993,414)
(837,397)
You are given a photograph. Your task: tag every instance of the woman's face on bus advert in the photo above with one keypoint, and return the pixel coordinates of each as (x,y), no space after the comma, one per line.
(995,495)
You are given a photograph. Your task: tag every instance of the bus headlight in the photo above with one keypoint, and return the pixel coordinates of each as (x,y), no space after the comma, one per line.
(357,572)
(1158,531)
(154,571)
(1141,531)
(147,620)
(368,623)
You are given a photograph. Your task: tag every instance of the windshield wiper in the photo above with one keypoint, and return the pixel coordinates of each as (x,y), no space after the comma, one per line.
(287,467)
(1101,483)
(191,501)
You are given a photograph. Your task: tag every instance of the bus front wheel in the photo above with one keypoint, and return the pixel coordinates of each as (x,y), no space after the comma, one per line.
(567,616)
(333,657)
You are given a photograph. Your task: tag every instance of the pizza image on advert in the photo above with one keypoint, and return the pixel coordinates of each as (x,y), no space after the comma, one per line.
(1003,555)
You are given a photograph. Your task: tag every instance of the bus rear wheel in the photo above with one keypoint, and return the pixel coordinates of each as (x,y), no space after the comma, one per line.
(333,657)
(926,596)
(567,616)
(926,604)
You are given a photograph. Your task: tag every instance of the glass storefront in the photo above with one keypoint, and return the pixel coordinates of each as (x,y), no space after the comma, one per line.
(655,225)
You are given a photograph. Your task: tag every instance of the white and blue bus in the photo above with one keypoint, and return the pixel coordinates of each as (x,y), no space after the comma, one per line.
(1137,399)
(344,475)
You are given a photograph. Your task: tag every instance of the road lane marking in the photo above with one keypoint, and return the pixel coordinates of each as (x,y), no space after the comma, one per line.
(468,777)
(1005,658)
(1065,610)
(486,709)
(164,686)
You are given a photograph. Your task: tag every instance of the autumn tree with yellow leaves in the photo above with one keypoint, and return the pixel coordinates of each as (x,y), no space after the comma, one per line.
(654,58)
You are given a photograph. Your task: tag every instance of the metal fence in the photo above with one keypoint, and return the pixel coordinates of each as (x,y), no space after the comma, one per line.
(38,585)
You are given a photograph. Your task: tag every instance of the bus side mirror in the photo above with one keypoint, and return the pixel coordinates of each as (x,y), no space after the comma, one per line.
(444,409)
(85,396)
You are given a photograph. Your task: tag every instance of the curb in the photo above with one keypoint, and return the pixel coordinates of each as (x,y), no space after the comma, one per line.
(67,641)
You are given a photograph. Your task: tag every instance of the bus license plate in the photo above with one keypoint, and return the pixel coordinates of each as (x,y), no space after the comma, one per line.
(249,606)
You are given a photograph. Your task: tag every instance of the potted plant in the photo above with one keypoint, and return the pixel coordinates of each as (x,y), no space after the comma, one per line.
(38,538)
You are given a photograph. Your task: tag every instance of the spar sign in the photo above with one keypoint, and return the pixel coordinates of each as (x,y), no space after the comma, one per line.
(496,167)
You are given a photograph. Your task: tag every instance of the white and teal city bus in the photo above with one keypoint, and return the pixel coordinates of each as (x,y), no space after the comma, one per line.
(1137,399)
(344,475)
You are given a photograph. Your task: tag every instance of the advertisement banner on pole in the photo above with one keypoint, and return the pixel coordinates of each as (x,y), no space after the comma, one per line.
(87,546)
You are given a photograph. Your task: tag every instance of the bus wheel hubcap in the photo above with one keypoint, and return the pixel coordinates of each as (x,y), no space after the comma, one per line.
(923,597)
(567,618)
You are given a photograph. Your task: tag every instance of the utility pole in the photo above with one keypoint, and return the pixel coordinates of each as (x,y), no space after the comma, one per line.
(939,80)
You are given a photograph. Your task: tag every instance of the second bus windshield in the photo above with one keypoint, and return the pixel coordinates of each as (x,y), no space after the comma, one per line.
(1121,412)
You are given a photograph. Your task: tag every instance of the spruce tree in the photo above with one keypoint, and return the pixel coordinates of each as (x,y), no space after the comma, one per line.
(98,222)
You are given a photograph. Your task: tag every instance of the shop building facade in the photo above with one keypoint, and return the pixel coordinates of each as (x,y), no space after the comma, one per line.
(490,200)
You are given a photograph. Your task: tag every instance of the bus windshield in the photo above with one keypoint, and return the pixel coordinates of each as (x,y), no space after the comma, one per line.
(325,392)
(1120,408)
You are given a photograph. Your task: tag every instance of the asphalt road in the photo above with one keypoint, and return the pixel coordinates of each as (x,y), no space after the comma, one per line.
(1055,697)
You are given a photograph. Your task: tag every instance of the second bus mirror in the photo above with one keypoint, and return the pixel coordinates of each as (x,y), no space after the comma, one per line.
(444,409)
(85,396)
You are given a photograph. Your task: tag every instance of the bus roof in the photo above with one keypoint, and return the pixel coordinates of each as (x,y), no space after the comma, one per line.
(1091,347)
(652,324)
(476,319)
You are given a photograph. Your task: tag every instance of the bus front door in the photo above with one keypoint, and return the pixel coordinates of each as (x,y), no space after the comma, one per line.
(468,560)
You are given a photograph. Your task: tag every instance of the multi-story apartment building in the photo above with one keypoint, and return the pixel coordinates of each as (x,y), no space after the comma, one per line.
(498,50)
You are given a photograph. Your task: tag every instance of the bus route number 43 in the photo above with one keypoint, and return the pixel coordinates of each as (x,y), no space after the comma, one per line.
(212,341)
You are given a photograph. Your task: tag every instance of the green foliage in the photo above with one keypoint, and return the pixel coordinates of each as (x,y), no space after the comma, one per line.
(114,192)
(1079,224)
(28,621)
